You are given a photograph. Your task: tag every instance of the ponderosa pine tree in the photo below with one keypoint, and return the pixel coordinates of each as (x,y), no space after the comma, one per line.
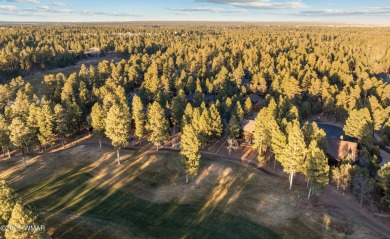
(205,133)
(362,184)
(262,133)
(46,123)
(199,96)
(32,123)
(24,215)
(4,135)
(188,115)
(316,168)
(98,121)
(379,114)
(234,128)
(248,107)
(196,121)
(238,111)
(359,126)
(311,132)
(295,151)
(178,107)
(383,178)
(62,125)
(157,125)
(138,116)
(216,122)
(278,141)
(21,106)
(342,176)
(189,150)
(7,202)
(118,127)
(20,136)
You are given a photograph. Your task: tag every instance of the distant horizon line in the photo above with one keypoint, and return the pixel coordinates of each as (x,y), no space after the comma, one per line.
(201,21)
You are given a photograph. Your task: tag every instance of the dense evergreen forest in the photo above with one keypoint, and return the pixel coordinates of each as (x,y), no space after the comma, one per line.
(196,80)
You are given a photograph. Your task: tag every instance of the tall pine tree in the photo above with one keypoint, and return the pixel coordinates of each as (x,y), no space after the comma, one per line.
(295,151)
(4,134)
(98,122)
(189,150)
(158,125)
(20,136)
(317,168)
(138,116)
(118,127)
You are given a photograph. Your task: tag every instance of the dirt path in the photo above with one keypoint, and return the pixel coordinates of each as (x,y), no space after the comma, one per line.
(349,206)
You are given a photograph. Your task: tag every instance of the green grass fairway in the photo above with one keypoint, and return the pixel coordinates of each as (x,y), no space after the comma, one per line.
(143,218)
(83,193)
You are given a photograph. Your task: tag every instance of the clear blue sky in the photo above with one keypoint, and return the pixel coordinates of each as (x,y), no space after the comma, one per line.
(349,11)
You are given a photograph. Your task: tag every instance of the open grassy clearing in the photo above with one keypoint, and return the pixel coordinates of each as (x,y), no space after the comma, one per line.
(36,77)
(85,194)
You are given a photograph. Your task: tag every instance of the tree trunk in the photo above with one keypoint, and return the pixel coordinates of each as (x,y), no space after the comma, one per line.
(157,147)
(24,159)
(186,178)
(308,196)
(100,142)
(291,179)
(9,154)
(261,144)
(274,163)
(118,156)
(62,142)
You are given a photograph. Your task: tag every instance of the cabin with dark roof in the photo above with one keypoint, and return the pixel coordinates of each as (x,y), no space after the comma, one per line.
(257,102)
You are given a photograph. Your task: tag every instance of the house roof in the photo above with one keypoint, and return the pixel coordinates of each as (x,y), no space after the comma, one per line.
(339,149)
(248,125)
(254,98)
(260,103)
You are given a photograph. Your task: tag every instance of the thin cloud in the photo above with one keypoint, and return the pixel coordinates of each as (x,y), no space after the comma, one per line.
(8,8)
(58,4)
(43,7)
(258,4)
(348,12)
(113,14)
(25,1)
(205,9)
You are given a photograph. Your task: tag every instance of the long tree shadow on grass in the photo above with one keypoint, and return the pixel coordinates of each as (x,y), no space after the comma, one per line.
(78,193)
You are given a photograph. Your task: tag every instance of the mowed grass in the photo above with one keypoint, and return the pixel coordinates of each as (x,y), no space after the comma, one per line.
(146,197)
(147,219)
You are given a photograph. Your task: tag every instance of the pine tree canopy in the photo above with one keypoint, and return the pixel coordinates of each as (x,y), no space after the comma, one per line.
(118,125)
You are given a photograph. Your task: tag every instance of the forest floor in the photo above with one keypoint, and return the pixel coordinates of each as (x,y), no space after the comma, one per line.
(85,194)
(36,77)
